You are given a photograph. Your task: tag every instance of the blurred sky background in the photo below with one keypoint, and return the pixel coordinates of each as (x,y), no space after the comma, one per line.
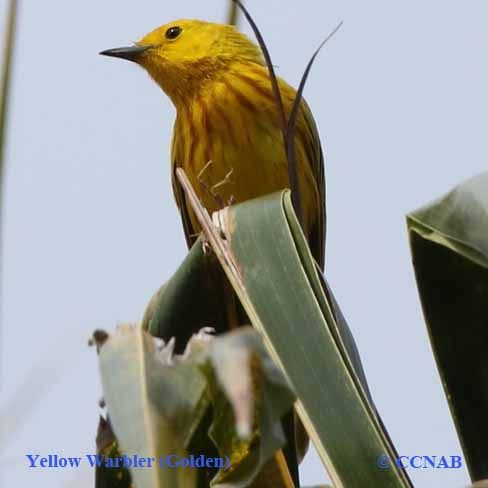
(91,229)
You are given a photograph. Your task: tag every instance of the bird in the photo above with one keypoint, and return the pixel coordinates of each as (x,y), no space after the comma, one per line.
(227,135)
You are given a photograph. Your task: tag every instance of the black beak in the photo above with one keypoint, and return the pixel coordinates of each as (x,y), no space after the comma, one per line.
(131,53)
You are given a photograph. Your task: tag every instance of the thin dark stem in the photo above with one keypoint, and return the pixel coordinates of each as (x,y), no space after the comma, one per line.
(292,167)
(292,122)
(269,64)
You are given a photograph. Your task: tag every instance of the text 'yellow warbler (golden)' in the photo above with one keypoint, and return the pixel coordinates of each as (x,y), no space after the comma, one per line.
(227,134)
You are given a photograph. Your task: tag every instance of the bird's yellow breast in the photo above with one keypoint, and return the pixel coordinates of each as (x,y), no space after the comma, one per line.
(229,142)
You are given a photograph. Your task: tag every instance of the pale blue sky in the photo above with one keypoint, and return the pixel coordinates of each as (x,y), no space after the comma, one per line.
(91,228)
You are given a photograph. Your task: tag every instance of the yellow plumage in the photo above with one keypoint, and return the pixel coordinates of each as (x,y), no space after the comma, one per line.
(227,134)
(226,114)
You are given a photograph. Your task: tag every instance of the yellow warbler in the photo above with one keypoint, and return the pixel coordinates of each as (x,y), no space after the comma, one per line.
(227,135)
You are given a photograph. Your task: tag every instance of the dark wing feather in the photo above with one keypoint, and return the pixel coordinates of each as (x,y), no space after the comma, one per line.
(316,160)
(179,195)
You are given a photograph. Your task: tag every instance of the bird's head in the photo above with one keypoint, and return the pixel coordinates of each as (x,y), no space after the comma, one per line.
(184,55)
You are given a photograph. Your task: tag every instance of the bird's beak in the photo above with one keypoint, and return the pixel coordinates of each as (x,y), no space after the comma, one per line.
(131,53)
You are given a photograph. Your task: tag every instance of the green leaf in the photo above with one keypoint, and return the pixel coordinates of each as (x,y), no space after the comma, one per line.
(191,299)
(278,285)
(243,375)
(153,406)
(268,262)
(449,244)
(156,401)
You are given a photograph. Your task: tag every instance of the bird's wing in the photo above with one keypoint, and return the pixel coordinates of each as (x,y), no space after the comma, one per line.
(180,198)
(316,160)
(179,195)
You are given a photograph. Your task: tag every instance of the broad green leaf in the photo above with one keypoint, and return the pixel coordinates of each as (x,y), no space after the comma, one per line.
(272,271)
(152,406)
(280,289)
(449,243)
(243,375)
(328,304)
(190,300)
(155,401)
(458,220)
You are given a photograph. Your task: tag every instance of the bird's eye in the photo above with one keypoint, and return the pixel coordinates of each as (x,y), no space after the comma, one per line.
(173,32)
